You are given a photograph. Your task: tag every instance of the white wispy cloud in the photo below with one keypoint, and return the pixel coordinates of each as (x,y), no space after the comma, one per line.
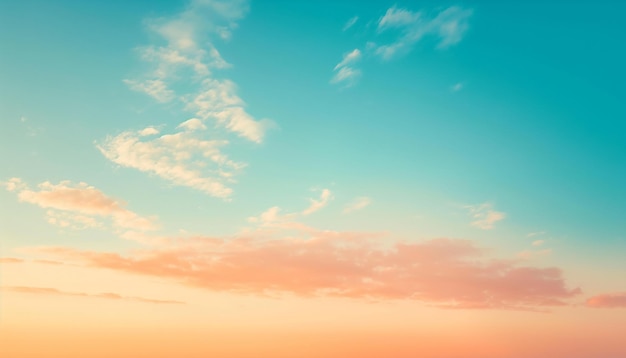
(350,23)
(189,55)
(345,73)
(217,100)
(181,158)
(538,242)
(395,17)
(192,125)
(407,28)
(357,204)
(456,87)
(316,204)
(349,58)
(148,131)
(484,215)
(275,218)
(154,88)
(79,206)
(272,217)
(183,56)
(448,26)
(533,234)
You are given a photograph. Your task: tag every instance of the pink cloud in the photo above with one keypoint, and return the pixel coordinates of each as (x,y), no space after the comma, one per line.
(108,295)
(608,300)
(442,272)
(79,206)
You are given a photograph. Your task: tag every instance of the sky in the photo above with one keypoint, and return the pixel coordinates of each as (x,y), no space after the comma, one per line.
(239,178)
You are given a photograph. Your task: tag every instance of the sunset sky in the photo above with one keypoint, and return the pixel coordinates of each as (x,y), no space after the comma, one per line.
(299,179)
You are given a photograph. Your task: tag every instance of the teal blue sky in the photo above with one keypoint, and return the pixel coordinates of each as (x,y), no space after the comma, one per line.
(525,112)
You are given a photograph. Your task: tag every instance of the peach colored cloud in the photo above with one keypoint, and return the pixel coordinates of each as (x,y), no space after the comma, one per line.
(79,206)
(608,300)
(442,272)
(10,260)
(485,216)
(107,295)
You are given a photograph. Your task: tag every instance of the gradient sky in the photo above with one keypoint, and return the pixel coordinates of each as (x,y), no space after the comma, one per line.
(302,179)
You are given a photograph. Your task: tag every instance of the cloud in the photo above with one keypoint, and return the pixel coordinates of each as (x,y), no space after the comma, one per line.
(10,260)
(270,217)
(325,197)
(446,273)
(108,295)
(79,206)
(181,158)
(407,28)
(154,88)
(608,300)
(448,26)
(192,125)
(538,242)
(217,100)
(395,17)
(344,71)
(349,58)
(184,56)
(484,216)
(274,220)
(14,184)
(187,54)
(357,204)
(350,23)
(457,87)
(148,131)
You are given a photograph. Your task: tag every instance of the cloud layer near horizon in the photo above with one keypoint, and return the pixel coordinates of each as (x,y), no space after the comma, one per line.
(105,295)
(446,273)
(608,300)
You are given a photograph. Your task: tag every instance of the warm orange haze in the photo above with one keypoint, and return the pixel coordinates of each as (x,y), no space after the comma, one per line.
(297,179)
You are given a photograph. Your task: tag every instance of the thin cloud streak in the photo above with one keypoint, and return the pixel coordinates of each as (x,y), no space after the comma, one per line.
(607,300)
(317,204)
(350,23)
(449,27)
(106,295)
(357,204)
(345,72)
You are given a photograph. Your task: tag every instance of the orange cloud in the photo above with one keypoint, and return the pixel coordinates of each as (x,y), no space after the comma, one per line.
(10,260)
(54,291)
(446,273)
(608,300)
(78,205)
